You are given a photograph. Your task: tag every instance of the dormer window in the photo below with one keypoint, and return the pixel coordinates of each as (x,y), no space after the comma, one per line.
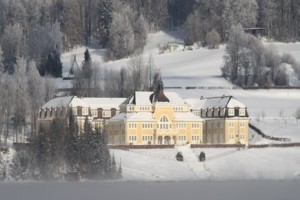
(85,111)
(242,112)
(231,112)
(216,112)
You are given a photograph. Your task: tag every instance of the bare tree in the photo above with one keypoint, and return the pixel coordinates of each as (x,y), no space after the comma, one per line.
(35,95)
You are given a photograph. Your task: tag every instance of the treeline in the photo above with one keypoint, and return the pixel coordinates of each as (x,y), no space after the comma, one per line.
(22,94)
(42,30)
(247,62)
(62,151)
(280,18)
(91,80)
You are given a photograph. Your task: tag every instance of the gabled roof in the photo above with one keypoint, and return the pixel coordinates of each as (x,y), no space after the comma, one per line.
(58,102)
(215,102)
(187,116)
(105,103)
(93,103)
(139,116)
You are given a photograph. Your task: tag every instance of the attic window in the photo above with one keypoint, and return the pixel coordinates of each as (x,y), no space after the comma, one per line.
(242,112)
(230,112)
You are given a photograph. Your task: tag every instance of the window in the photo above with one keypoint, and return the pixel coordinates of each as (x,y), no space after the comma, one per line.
(106,113)
(242,112)
(195,125)
(131,108)
(147,138)
(94,113)
(182,137)
(74,111)
(132,138)
(164,119)
(231,124)
(132,125)
(85,111)
(242,136)
(216,112)
(242,124)
(195,138)
(147,125)
(230,112)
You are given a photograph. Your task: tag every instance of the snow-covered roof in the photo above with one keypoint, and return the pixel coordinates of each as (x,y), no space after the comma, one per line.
(139,116)
(93,103)
(195,103)
(78,102)
(186,116)
(215,102)
(58,102)
(104,103)
(143,98)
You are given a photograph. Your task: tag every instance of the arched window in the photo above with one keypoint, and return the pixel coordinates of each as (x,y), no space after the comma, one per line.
(164,123)
(164,119)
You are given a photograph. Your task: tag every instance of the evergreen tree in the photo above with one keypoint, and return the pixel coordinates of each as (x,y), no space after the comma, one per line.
(72,144)
(105,20)
(19,167)
(53,65)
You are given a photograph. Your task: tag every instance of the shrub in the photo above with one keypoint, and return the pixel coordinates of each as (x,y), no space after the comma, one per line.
(179,156)
(202,156)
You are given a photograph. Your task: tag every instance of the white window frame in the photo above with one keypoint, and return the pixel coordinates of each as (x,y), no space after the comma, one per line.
(242,112)
(106,113)
(94,112)
(231,112)
(85,111)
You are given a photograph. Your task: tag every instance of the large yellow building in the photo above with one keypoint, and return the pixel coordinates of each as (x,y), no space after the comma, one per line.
(155,118)
(226,119)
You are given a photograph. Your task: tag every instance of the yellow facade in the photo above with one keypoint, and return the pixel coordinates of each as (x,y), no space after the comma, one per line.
(155,123)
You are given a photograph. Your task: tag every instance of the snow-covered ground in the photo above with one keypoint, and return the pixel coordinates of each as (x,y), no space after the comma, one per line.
(221,164)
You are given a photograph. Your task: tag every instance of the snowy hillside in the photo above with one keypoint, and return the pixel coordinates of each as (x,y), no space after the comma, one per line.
(200,68)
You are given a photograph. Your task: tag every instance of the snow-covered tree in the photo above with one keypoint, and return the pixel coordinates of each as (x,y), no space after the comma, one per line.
(121,37)
(213,39)
(35,94)
(242,12)
(105,19)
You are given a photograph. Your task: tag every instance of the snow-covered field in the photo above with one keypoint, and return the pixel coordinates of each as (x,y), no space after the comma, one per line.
(221,164)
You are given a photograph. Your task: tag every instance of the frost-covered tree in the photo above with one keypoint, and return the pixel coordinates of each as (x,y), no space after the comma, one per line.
(35,94)
(242,12)
(213,39)
(12,46)
(20,101)
(233,51)
(121,36)
(194,31)
(140,28)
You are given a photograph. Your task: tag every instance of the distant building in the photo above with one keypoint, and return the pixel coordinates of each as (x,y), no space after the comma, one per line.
(155,118)
(97,110)
(226,119)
